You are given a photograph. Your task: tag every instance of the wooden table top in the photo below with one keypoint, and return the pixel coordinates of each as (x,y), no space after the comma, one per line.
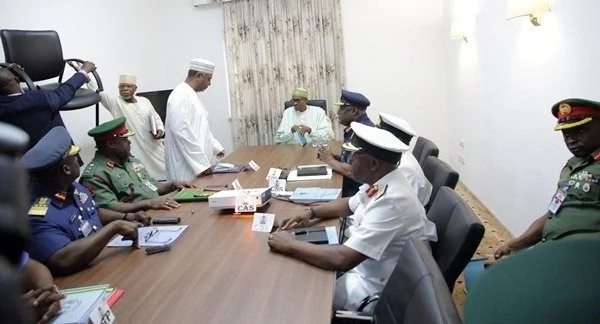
(220,271)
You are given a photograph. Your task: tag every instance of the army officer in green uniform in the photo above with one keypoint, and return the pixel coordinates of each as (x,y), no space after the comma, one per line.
(575,207)
(117,179)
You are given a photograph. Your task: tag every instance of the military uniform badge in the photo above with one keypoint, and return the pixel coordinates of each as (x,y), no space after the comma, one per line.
(39,207)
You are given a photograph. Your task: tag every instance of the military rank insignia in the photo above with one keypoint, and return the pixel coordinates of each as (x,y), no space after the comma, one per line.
(39,207)
(376,191)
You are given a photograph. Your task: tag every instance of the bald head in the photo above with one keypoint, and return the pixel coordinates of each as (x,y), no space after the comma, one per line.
(9,83)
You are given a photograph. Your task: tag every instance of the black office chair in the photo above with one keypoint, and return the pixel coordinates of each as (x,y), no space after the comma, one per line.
(39,53)
(14,224)
(459,233)
(424,148)
(439,174)
(415,293)
(315,102)
(158,99)
(551,283)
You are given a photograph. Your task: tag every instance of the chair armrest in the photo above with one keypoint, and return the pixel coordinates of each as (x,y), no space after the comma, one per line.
(365,302)
(94,73)
(20,73)
(344,316)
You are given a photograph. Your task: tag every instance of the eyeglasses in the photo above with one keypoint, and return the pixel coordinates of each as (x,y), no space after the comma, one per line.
(153,235)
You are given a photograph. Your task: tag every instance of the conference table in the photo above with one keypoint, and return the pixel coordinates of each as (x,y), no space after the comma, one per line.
(219,270)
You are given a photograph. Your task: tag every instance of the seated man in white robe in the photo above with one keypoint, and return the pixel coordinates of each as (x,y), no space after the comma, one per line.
(309,121)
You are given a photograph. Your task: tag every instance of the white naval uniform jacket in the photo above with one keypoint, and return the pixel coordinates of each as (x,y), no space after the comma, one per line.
(382,224)
(415,177)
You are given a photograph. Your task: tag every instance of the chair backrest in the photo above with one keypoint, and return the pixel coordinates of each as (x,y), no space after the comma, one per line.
(14,222)
(439,174)
(13,308)
(416,291)
(315,102)
(459,233)
(554,282)
(158,99)
(39,52)
(424,148)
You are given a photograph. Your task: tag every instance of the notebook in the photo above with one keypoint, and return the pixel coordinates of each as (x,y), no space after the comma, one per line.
(311,170)
(301,138)
(316,234)
(310,195)
(228,168)
(193,194)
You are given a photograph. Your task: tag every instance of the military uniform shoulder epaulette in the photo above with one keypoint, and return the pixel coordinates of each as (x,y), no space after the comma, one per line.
(39,207)
(90,169)
(380,191)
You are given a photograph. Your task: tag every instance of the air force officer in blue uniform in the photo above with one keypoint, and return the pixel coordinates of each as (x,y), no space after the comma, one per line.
(68,229)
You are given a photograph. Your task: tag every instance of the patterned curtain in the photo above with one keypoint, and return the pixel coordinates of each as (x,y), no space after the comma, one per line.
(274,46)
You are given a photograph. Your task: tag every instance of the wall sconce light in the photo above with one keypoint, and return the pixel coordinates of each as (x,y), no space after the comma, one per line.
(530,8)
(459,30)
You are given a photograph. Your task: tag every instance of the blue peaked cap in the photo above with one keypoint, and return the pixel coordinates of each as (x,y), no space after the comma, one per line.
(355,99)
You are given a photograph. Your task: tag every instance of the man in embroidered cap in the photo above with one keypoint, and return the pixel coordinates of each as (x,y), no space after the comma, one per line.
(117,179)
(68,228)
(305,121)
(386,211)
(190,147)
(408,165)
(352,108)
(142,119)
(574,210)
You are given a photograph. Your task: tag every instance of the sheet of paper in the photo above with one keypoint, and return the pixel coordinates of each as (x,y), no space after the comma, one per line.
(253,165)
(263,222)
(78,304)
(152,236)
(274,173)
(277,185)
(236,185)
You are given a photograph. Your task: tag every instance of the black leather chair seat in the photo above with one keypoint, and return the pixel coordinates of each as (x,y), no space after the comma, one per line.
(459,233)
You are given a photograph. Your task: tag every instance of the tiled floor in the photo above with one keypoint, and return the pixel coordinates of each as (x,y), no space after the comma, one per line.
(495,235)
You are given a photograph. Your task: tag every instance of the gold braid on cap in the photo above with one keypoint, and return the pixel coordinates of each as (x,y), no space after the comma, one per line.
(565,125)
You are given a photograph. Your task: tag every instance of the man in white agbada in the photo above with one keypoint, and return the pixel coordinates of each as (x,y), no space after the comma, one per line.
(310,121)
(190,147)
(147,145)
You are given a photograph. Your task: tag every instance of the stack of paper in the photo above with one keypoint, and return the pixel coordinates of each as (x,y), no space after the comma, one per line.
(152,236)
(310,195)
(79,304)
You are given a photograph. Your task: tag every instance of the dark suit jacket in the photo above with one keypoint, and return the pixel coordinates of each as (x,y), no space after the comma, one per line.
(37,111)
